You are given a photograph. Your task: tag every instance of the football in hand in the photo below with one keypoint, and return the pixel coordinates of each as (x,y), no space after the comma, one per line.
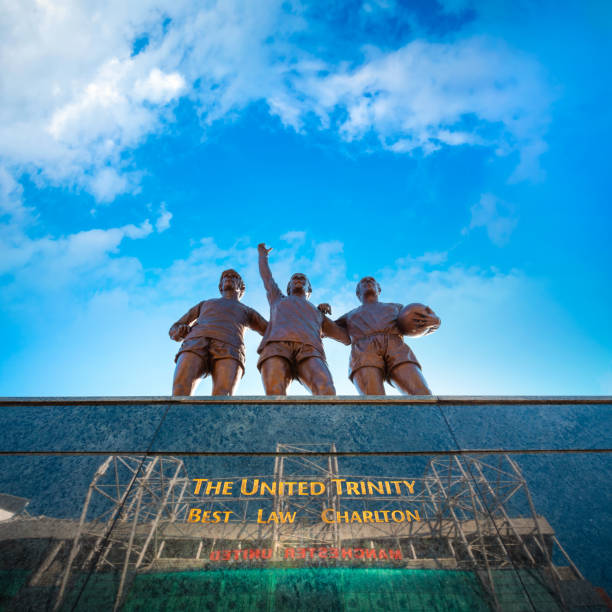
(417,320)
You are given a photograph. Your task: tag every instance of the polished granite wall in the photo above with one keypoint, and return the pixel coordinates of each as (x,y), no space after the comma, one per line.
(51,447)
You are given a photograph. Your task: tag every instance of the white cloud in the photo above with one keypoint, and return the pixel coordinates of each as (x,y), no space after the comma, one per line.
(432,258)
(294,236)
(158,87)
(425,95)
(86,259)
(107,183)
(76,99)
(11,198)
(163,221)
(496,216)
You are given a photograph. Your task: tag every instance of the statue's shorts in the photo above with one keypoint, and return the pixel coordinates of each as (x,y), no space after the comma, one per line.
(293,352)
(210,350)
(383,351)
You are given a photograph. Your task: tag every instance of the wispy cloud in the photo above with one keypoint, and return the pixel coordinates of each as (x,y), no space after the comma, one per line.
(163,221)
(294,236)
(427,95)
(77,262)
(76,99)
(497,217)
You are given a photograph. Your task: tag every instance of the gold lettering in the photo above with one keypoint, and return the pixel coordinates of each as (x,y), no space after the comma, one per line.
(397,486)
(355,518)
(312,488)
(324,515)
(372,487)
(287,517)
(245,482)
(338,482)
(210,487)
(194,515)
(413,516)
(401,516)
(351,488)
(271,489)
(410,486)
(198,486)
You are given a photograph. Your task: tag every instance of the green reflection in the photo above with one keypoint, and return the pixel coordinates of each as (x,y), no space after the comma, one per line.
(307,589)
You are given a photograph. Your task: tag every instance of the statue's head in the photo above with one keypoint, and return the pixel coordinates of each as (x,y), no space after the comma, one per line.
(367,285)
(230,279)
(297,283)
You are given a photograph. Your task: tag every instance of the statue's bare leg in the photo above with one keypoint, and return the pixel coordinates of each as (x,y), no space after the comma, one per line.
(408,378)
(225,374)
(189,370)
(314,374)
(369,381)
(276,375)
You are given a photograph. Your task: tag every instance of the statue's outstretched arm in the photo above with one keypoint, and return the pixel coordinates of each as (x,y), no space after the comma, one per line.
(335,329)
(181,328)
(272,289)
(257,322)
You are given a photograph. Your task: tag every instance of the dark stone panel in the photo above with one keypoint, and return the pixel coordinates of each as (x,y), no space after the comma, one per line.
(78,427)
(525,426)
(258,428)
(223,427)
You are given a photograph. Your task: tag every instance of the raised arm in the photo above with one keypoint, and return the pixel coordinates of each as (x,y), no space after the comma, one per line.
(181,328)
(272,289)
(257,322)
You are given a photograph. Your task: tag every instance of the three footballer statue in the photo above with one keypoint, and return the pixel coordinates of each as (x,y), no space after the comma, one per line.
(291,348)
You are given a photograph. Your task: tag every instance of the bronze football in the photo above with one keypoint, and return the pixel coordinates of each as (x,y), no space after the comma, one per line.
(411,316)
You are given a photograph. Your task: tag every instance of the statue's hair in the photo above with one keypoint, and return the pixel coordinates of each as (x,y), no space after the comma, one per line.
(359,284)
(309,289)
(242,285)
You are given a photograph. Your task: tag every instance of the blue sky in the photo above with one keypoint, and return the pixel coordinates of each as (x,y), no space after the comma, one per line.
(457,151)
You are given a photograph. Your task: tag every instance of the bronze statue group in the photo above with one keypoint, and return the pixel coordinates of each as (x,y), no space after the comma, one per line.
(212,335)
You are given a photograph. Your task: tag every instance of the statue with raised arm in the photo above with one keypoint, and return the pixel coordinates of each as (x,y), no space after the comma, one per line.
(291,347)
(212,333)
(378,351)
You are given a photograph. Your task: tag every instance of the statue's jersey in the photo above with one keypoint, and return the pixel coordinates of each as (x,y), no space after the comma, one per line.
(371,318)
(376,340)
(293,319)
(225,320)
